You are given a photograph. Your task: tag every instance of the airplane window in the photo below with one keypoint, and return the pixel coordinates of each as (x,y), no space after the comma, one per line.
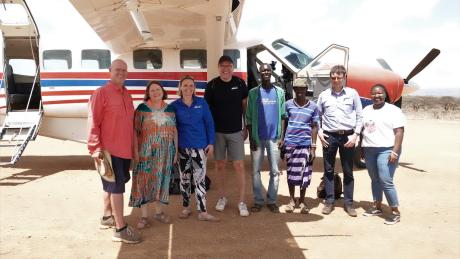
(57,59)
(296,57)
(235,55)
(95,58)
(148,59)
(193,58)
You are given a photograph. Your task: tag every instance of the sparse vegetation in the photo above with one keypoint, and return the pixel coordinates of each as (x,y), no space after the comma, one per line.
(444,108)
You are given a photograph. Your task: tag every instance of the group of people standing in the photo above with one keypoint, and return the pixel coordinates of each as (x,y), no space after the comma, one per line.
(158,135)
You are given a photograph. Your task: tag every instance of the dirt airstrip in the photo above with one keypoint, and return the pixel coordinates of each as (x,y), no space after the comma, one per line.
(50,203)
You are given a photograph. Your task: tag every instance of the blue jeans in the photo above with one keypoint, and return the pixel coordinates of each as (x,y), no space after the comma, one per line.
(337,142)
(257,159)
(381,173)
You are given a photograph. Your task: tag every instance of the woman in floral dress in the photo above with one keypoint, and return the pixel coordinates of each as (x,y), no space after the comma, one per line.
(155,142)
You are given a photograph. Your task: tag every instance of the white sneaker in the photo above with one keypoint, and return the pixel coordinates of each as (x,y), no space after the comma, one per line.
(220,206)
(243,209)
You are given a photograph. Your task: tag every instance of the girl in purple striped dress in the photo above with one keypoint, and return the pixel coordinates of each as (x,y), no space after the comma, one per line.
(300,144)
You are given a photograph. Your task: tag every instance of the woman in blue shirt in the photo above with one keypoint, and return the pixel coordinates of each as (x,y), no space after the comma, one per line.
(196,139)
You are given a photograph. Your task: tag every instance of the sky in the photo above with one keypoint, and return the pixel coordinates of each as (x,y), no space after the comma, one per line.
(401,32)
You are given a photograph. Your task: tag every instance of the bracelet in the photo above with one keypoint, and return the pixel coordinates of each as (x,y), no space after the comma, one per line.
(313,145)
(394,153)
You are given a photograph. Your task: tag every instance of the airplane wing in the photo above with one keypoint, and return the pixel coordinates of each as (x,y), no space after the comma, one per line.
(125,25)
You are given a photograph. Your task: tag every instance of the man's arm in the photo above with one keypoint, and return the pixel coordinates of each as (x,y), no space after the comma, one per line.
(95,116)
(244,105)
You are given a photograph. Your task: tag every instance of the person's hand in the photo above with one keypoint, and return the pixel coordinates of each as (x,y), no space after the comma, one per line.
(323,138)
(252,145)
(175,158)
(312,156)
(97,157)
(209,150)
(392,158)
(136,157)
(280,143)
(351,140)
(245,133)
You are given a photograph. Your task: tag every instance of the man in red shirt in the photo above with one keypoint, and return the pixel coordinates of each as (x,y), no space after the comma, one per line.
(110,121)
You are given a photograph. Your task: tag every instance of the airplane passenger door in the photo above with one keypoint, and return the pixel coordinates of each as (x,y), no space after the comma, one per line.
(21,109)
(317,71)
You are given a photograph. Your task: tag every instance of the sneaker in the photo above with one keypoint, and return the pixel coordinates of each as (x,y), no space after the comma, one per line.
(220,206)
(393,219)
(107,223)
(243,209)
(350,211)
(127,235)
(328,208)
(273,208)
(373,211)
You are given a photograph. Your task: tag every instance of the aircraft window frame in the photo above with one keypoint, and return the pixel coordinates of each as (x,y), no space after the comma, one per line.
(101,56)
(195,59)
(296,57)
(235,55)
(57,54)
(147,59)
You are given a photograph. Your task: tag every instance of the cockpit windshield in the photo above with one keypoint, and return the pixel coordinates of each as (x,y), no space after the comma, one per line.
(295,56)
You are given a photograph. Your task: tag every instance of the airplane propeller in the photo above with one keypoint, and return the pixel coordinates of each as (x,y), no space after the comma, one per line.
(422,64)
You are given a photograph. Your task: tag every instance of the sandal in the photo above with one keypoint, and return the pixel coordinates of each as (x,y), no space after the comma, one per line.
(303,208)
(207,217)
(290,207)
(143,223)
(185,213)
(163,218)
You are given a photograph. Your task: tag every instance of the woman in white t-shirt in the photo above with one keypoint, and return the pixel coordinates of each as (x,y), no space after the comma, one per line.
(382,136)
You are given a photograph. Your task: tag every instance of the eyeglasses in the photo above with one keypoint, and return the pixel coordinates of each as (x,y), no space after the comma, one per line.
(334,78)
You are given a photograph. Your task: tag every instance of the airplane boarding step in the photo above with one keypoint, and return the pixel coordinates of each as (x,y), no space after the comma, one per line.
(17,130)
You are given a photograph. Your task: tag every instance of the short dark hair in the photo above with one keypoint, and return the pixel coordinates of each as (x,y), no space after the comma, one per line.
(225,58)
(338,69)
(147,89)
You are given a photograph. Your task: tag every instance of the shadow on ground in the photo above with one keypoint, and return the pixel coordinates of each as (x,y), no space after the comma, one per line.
(261,235)
(35,167)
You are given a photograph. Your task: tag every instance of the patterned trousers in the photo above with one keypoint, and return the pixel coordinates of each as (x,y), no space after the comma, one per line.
(192,162)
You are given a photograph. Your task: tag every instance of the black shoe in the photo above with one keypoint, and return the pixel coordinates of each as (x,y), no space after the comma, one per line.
(273,208)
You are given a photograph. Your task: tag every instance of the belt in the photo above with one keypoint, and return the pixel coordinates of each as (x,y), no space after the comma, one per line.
(340,132)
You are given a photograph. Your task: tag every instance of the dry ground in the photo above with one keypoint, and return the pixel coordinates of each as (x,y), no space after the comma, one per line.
(50,203)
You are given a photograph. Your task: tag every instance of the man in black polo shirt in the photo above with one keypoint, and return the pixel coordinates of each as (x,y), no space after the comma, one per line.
(226,96)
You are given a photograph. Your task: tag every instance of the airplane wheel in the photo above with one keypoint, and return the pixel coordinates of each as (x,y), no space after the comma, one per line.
(359,160)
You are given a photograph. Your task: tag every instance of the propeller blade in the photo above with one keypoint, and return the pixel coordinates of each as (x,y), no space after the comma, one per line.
(422,64)
(384,64)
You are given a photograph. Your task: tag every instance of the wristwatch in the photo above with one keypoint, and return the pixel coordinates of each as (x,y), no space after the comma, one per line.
(357,133)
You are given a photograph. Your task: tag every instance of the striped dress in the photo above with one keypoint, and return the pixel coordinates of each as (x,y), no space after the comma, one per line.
(297,141)
(155,137)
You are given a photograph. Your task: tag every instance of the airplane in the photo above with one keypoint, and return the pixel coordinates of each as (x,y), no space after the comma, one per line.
(159,40)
